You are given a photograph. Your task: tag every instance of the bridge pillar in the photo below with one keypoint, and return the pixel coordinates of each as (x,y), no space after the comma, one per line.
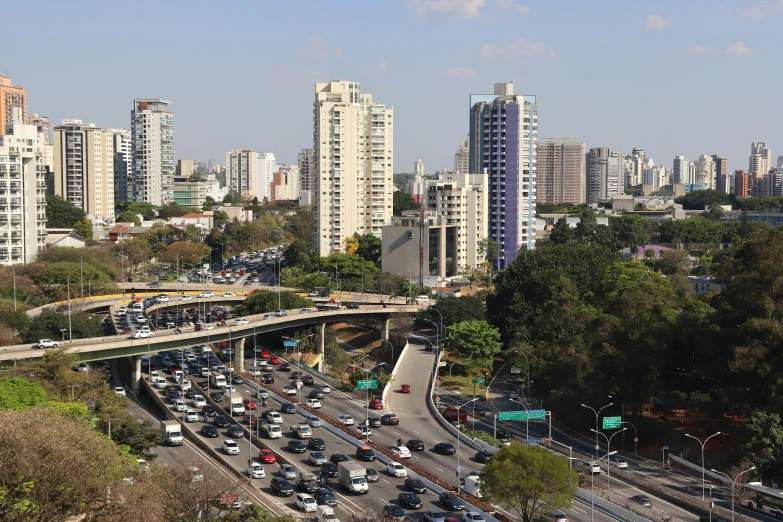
(385,329)
(321,348)
(136,372)
(239,355)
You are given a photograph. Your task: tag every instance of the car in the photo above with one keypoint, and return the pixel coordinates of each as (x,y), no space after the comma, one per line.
(280,312)
(592,467)
(401,452)
(249,404)
(286,471)
(265,354)
(405,388)
(142,334)
(266,456)
(306,311)
(316,443)
(325,497)
(221,421)
(255,470)
(281,487)
(179,405)
(47,343)
(338,457)
(119,391)
(290,389)
(191,393)
(240,321)
(230,447)
(415,485)
(204,295)
(483,456)
(274,360)
(296,446)
(352,306)
(452,414)
(198,401)
(366,431)
(317,458)
(620,463)
(434,516)
(154,284)
(250,418)
(216,396)
(191,416)
(329,469)
(307,379)
(314,403)
(390,419)
(323,388)
(365,453)
(373,422)
(285,367)
(228,388)
(209,431)
(451,501)
(345,420)
(558,517)
(261,393)
(312,293)
(209,327)
(376,404)
(373,475)
(305,503)
(274,417)
(409,500)
(316,394)
(513,395)
(473,516)
(185,297)
(396,469)
(314,422)
(209,410)
(445,448)
(644,500)
(235,431)
(393,512)
(415,445)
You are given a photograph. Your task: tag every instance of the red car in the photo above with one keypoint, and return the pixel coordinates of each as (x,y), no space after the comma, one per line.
(405,388)
(265,355)
(249,403)
(376,404)
(250,418)
(241,272)
(266,456)
(451,414)
(274,360)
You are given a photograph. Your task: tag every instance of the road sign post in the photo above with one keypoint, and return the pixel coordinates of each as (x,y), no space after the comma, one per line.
(367,385)
(476,380)
(610,423)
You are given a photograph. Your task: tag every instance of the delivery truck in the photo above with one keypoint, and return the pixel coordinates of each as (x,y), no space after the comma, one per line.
(353,477)
(471,486)
(218,380)
(172,432)
(236,404)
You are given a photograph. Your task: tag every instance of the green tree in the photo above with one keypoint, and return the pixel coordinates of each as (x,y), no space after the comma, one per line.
(529,480)
(172,210)
(674,262)
(701,199)
(233,198)
(762,436)
(474,340)
(220,219)
(264,301)
(128,217)
(403,201)
(369,247)
(488,250)
(300,254)
(48,325)
(562,232)
(20,394)
(83,227)
(209,202)
(147,210)
(631,231)
(186,252)
(453,310)
(61,213)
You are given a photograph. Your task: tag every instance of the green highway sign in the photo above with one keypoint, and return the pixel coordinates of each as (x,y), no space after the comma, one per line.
(612,422)
(478,380)
(522,415)
(367,385)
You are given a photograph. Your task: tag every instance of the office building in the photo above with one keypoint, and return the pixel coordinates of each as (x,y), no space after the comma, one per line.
(704,172)
(306,162)
(742,184)
(503,136)
(760,159)
(152,141)
(354,150)
(561,175)
(189,193)
(401,247)
(681,170)
(722,180)
(605,174)
(462,157)
(185,168)
(11,97)
(22,191)
(123,164)
(84,167)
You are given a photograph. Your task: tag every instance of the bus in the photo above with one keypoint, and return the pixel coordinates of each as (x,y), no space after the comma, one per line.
(763,498)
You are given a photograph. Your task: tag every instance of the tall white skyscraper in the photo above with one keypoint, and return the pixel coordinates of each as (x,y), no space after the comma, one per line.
(123,164)
(418,168)
(760,161)
(681,170)
(353,140)
(267,166)
(605,174)
(152,136)
(704,172)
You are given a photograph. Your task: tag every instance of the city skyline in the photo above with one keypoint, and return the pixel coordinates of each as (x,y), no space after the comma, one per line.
(461,46)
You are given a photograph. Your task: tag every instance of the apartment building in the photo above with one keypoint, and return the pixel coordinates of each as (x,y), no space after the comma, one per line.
(462,157)
(152,139)
(11,97)
(250,173)
(605,174)
(123,164)
(561,176)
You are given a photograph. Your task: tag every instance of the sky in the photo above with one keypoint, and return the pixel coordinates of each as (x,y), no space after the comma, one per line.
(684,77)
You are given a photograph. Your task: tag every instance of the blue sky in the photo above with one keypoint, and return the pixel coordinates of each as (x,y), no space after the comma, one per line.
(673,77)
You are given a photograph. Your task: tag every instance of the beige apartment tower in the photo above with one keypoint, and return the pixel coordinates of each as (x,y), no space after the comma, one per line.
(11,97)
(353,140)
(561,171)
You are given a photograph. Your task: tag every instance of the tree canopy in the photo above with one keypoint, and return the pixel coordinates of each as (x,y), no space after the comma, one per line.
(61,213)
(403,201)
(265,301)
(453,310)
(475,341)
(128,217)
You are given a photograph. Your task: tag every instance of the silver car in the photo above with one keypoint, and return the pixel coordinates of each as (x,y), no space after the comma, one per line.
(314,422)
(434,516)
(287,471)
(317,458)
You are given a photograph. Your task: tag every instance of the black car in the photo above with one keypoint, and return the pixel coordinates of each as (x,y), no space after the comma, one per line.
(444,448)
(216,396)
(365,453)
(483,456)
(390,419)
(316,394)
(235,431)
(415,445)
(191,393)
(316,443)
(374,422)
(288,408)
(409,500)
(393,512)
(308,379)
(237,379)
(296,375)
(325,496)
(268,378)
(281,487)
(329,468)
(296,446)
(337,457)
(210,431)
(415,485)
(352,306)
(451,501)
(221,421)
(209,410)
(644,500)
(285,367)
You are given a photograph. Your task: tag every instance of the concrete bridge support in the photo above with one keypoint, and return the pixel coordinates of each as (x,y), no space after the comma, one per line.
(239,354)
(385,329)
(136,372)
(321,346)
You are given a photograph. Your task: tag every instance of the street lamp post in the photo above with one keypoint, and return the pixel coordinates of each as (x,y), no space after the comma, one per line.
(592,483)
(733,486)
(635,437)
(608,443)
(459,432)
(703,464)
(622,420)
(597,413)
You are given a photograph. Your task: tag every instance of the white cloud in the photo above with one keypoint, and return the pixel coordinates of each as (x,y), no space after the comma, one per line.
(461,74)
(698,50)
(759,11)
(512,6)
(459,10)
(380,67)
(519,48)
(740,49)
(656,22)
(317,49)
(283,76)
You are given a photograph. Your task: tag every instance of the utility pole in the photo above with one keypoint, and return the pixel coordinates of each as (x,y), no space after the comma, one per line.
(421,246)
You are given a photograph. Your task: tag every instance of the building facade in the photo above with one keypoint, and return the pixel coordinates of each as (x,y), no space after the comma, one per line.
(353,139)
(681,169)
(705,172)
(11,97)
(84,167)
(503,139)
(561,176)
(285,183)
(123,164)
(760,161)
(189,193)
(605,174)
(405,243)
(307,172)
(22,192)
(241,171)
(152,141)
(462,157)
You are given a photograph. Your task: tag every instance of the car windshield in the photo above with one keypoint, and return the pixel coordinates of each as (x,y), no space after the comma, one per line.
(358,480)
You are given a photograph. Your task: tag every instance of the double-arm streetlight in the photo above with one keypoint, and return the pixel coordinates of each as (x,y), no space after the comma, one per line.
(733,486)
(703,465)
(608,443)
(597,413)
(592,482)
(459,432)
(367,397)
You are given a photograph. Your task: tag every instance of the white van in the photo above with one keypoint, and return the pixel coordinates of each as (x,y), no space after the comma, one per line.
(177,374)
(184,384)
(422,299)
(160,383)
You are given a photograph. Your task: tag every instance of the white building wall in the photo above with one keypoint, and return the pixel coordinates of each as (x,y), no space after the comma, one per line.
(152,135)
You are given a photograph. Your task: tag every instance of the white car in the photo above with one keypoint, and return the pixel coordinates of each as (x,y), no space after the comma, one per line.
(163,298)
(396,469)
(230,447)
(323,388)
(229,388)
(204,295)
(229,294)
(179,405)
(620,463)
(513,395)
(142,334)
(185,297)
(83,367)
(274,417)
(401,452)
(255,470)
(305,503)
(47,343)
(237,322)
(191,416)
(255,372)
(345,420)
(209,327)
(119,391)
(154,374)
(472,516)
(205,372)
(199,401)
(314,422)
(314,403)
(592,467)
(364,430)
(289,390)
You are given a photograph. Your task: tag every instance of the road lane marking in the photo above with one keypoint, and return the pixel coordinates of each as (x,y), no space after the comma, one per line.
(386,481)
(439,469)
